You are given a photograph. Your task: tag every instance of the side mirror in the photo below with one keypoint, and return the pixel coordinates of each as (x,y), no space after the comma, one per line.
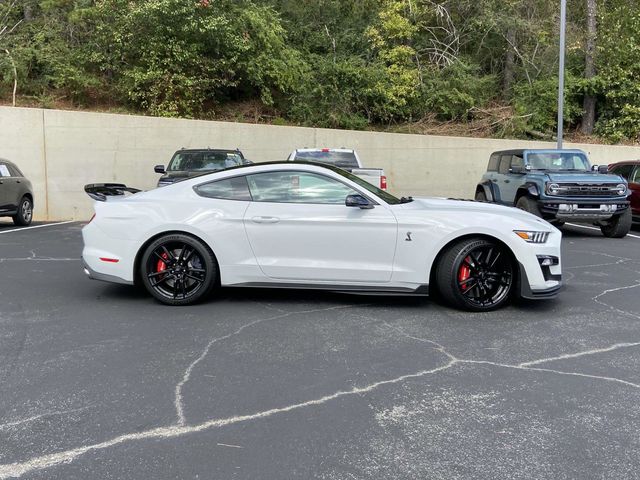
(159,169)
(516,169)
(357,200)
(603,168)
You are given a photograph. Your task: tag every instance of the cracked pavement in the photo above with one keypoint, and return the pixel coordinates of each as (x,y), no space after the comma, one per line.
(99,381)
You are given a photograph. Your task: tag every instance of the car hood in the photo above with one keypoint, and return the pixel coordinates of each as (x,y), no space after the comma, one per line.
(587,177)
(469,207)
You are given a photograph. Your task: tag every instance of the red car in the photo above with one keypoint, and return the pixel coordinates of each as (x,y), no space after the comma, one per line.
(630,170)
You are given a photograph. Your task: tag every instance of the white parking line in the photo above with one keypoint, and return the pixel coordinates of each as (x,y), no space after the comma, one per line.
(35,226)
(595,228)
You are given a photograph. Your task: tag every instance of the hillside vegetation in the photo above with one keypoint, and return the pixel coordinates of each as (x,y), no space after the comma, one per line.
(483,66)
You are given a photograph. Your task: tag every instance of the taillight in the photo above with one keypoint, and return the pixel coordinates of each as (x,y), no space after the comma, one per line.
(325,150)
(383,182)
(92,217)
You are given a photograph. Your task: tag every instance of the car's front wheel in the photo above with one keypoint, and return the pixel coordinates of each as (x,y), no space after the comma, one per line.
(618,226)
(481,196)
(178,269)
(25,212)
(529,205)
(476,274)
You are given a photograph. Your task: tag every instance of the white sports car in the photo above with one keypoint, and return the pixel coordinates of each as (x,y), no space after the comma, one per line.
(306,225)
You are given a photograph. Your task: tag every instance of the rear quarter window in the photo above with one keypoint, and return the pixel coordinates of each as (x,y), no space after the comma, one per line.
(494,160)
(235,188)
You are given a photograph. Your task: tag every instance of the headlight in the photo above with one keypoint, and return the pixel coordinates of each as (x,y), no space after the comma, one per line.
(621,189)
(553,188)
(531,236)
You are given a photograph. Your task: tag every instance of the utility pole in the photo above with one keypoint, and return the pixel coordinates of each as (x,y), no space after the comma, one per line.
(563,26)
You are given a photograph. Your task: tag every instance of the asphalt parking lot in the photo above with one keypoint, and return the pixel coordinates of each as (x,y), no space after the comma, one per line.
(99,381)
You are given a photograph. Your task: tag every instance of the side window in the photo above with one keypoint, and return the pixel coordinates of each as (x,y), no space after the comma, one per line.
(494,160)
(635,176)
(4,170)
(624,170)
(297,187)
(517,161)
(14,171)
(505,162)
(228,189)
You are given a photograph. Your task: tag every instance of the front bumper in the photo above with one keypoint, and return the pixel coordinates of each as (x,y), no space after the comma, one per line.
(580,209)
(540,269)
(526,290)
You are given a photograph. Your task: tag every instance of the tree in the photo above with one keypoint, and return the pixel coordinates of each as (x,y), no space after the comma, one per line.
(589,116)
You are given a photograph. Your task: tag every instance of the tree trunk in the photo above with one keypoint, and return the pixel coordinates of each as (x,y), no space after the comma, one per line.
(589,105)
(508,74)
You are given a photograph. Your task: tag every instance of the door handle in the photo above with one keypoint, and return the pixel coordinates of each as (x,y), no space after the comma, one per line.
(507,181)
(265,219)
(17,181)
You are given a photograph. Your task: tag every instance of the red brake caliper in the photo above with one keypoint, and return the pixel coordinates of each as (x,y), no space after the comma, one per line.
(464,273)
(161,267)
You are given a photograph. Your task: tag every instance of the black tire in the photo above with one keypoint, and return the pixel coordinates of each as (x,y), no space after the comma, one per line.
(529,205)
(481,196)
(618,226)
(178,269)
(25,212)
(476,275)
(557,223)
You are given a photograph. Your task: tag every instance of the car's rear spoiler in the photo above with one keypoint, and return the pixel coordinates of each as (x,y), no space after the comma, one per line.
(100,191)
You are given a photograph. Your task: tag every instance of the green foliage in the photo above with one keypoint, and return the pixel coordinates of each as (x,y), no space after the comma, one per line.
(619,70)
(452,92)
(537,104)
(331,63)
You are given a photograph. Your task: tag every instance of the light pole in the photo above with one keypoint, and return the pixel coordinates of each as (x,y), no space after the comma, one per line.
(563,25)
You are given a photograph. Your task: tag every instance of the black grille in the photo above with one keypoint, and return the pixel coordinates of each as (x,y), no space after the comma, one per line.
(586,189)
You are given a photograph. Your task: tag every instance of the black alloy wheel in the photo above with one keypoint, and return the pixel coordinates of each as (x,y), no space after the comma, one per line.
(25,212)
(476,274)
(178,269)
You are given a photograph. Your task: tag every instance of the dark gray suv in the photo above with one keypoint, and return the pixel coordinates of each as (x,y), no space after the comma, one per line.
(16,194)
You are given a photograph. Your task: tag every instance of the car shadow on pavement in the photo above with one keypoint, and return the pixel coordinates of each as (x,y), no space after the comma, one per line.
(287,297)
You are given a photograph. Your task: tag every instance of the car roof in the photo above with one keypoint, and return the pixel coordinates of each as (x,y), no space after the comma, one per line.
(8,162)
(347,150)
(279,162)
(520,151)
(625,162)
(214,150)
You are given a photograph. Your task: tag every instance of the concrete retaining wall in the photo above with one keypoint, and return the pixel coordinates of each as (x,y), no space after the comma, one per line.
(61,151)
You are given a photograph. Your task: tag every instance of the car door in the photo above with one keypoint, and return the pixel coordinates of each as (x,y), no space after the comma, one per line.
(300,230)
(502,180)
(634,185)
(8,191)
(509,181)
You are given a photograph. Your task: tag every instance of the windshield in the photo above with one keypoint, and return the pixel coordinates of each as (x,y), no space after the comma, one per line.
(204,161)
(558,161)
(331,157)
(387,197)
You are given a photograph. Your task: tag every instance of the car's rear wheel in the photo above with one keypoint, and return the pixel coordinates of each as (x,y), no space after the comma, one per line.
(529,205)
(178,269)
(618,226)
(25,212)
(476,274)
(481,196)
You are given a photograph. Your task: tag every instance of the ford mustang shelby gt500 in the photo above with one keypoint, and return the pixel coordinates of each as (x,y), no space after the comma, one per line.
(306,225)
